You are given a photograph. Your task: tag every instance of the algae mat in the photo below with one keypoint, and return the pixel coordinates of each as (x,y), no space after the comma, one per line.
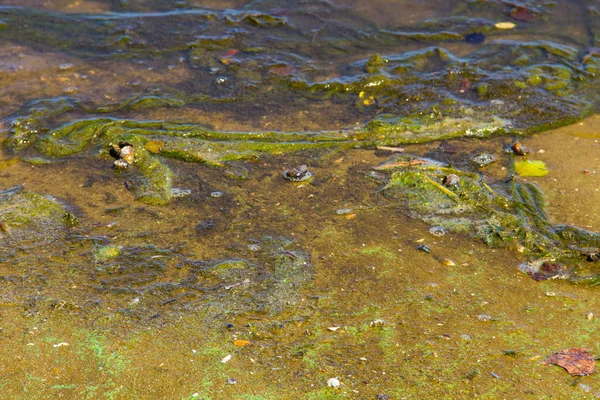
(211,263)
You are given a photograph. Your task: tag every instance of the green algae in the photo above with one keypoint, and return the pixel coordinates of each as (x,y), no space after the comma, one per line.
(511,216)
(421,350)
(107,252)
(415,95)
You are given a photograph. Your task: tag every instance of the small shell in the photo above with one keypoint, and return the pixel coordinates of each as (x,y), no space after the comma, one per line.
(120,164)
(451,180)
(437,231)
(298,174)
(127,154)
(519,150)
(333,382)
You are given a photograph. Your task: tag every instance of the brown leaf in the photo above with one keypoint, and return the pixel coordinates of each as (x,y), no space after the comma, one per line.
(576,361)
(523,14)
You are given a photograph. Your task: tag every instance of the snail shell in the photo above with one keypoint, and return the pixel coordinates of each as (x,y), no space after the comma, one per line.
(451,180)
(127,154)
(298,174)
(520,150)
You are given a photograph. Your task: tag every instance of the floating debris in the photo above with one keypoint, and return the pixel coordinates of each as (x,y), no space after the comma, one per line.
(437,231)
(391,149)
(298,174)
(333,328)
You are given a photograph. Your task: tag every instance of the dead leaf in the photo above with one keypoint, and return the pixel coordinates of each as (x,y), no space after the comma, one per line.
(242,343)
(577,361)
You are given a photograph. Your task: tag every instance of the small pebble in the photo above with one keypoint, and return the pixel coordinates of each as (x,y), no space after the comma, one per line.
(71,90)
(120,164)
(216,194)
(550,294)
(232,381)
(484,317)
(65,66)
(333,382)
(590,316)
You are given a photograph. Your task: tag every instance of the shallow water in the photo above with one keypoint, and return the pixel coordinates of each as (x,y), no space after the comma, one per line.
(298,282)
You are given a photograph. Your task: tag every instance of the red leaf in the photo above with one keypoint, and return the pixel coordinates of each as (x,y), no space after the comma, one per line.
(576,361)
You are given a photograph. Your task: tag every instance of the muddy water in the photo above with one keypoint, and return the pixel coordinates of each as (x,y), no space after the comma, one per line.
(250,286)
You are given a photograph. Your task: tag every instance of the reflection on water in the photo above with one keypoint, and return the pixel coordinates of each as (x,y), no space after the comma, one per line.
(195,270)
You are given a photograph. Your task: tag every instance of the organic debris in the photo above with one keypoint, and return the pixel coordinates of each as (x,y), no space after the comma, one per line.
(577,361)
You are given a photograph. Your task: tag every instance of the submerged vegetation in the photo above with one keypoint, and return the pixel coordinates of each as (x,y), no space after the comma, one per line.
(218,225)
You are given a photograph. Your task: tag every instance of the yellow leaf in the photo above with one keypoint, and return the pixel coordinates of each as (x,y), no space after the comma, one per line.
(242,343)
(531,168)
